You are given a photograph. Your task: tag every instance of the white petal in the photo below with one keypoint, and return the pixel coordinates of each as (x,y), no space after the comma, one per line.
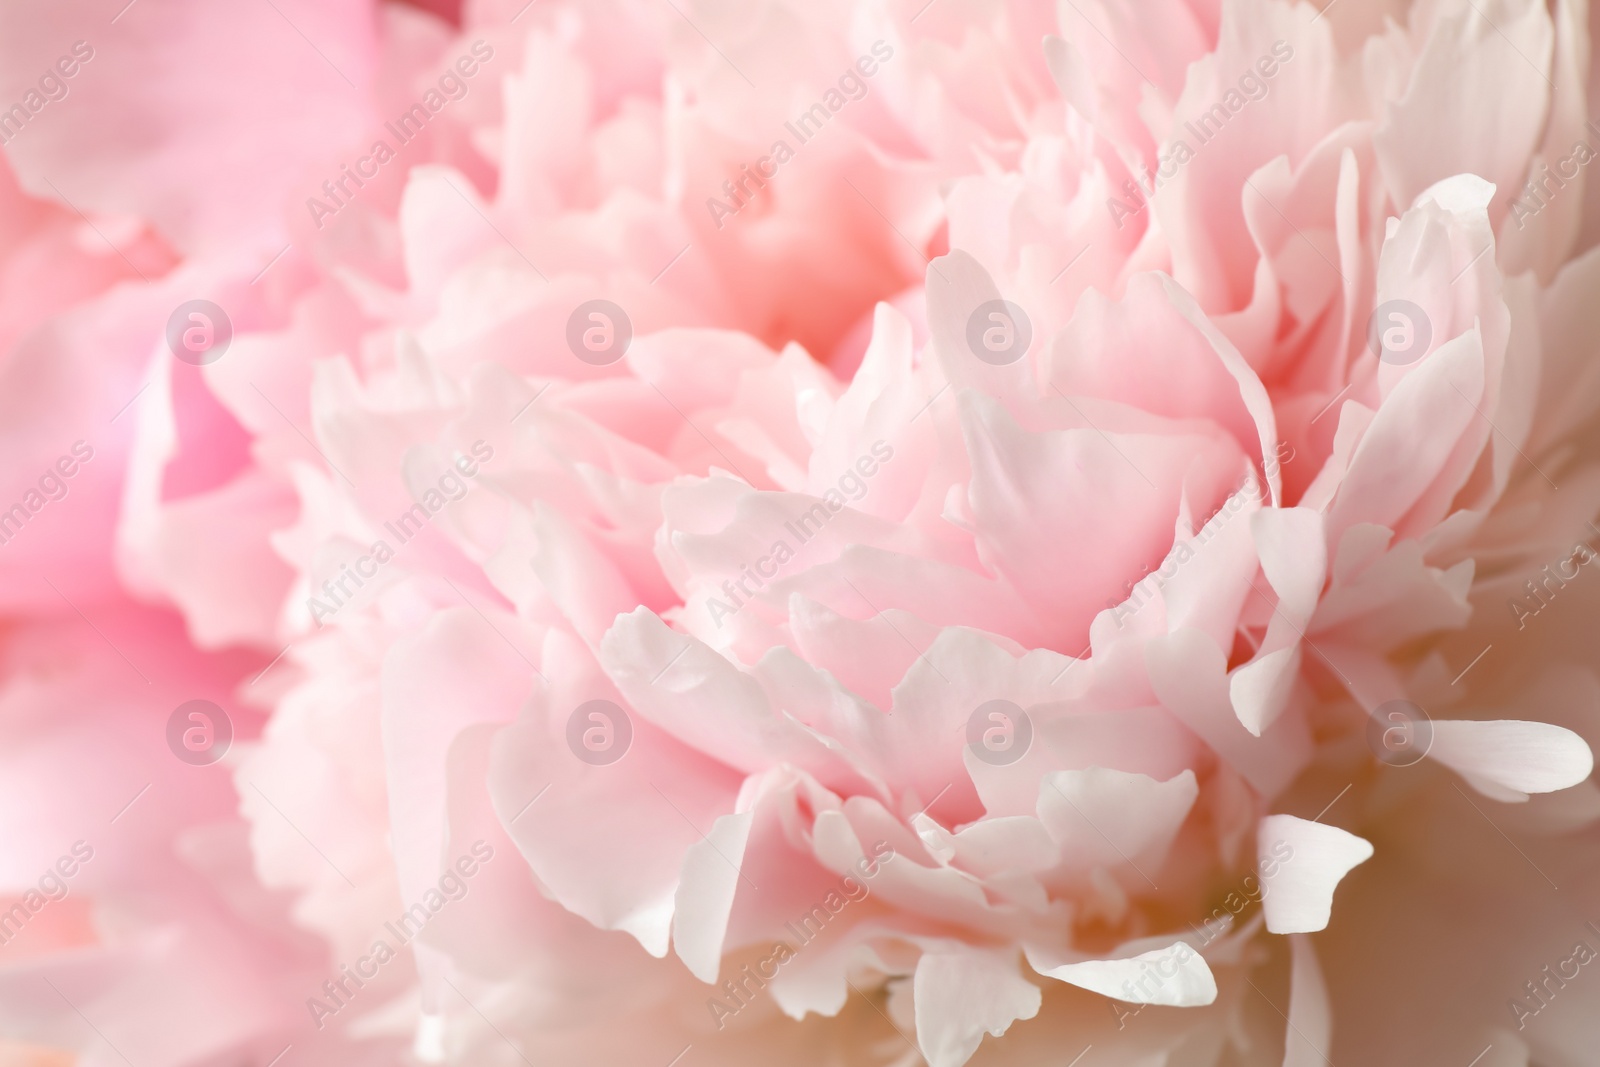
(1259,691)
(1524,757)
(1107,818)
(1176,975)
(1294,560)
(1299,895)
(961,996)
(1310,1031)
(705,894)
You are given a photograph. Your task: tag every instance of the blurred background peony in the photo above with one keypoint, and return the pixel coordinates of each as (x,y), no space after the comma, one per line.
(683,533)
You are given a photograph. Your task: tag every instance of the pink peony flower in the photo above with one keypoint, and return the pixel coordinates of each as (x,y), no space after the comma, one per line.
(863,534)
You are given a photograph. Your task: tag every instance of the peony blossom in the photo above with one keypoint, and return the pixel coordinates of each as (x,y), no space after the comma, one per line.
(608,531)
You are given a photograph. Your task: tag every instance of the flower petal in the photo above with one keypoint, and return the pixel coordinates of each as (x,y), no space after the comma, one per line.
(1300,897)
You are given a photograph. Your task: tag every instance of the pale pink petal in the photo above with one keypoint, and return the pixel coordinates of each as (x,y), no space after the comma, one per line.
(1301,898)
